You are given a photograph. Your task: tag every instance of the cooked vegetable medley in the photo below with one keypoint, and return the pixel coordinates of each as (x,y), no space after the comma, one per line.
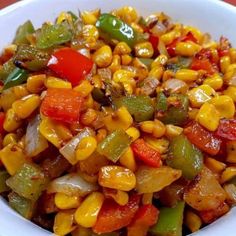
(115,124)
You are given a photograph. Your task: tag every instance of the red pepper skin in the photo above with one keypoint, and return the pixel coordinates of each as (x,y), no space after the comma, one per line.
(227,129)
(154,40)
(70,65)
(203,64)
(2,118)
(112,216)
(62,105)
(203,139)
(145,153)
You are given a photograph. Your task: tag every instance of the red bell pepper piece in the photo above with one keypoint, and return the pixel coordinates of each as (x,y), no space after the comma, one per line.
(112,216)
(154,40)
(203,139)
(62,105)
(2,118)
(224,46)
(145,153)
(203,64)
(227,129)
(70,65)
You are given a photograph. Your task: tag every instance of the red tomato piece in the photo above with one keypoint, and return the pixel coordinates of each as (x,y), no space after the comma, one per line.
(203,64)
(112,216)
(154,40)
(203,139)
(145,153)
(62,105)
(2,118)
(227,129)
(70,65)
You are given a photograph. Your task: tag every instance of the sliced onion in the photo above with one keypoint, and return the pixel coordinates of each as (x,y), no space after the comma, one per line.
(149,86)
(162,48)
(175,86)
(68,151)
(230,189)
(85,52)
(71,184)
(158,29)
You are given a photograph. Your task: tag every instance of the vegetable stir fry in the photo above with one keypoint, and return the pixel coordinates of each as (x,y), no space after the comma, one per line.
(115,124)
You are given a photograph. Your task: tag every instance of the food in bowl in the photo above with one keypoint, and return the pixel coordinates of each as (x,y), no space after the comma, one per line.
(112,123)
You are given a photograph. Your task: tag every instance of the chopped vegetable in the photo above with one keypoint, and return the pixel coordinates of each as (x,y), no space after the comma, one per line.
(162,104)
(99,96)
(2,118)
(227,129)
(3,177)
(6,69)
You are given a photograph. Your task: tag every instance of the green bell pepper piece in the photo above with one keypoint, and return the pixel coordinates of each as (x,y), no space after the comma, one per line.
(140,106)
(17,77)
(3,177)
(169,222)
(147,62)
(176,115)
(22,32)
(162,104)
(23,206)
(54,35)
(31,58)
(184,156)
(6,69)
(114,28)
(100,97)
(29,181)
(178,63)
(114,145)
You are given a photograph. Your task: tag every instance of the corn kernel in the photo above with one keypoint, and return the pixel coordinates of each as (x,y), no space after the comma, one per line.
(232,53)
(156,72)
(208,116)
(156,128)
(103,56)
(224,105)
(127,160)
(64,16)
(231,92)
(228,174)
(187,75)
(116,177)
(90,17)
(192,221)
(93,179)
(65,202)
(86,214)
(147,198)
(137,27)
(20,91)
(173,131)
(12,157)
(161,145)
(81,231)
(115,64)
(88,117)
(12,121)
(230,75)
(144,50)
(127,14)
(216,81)
(53,82)
(118,196)
(133,133)
(195,31)
(231,151)
(96,81)
(85,148)
(88,102)
(169,37)
(214,165)
(200,95)
(84,88)
(224,63)
(9,138)
(101,134)
(161,60)
(90,31)
(187,49)
(192,114)
(35,83)
(122,48)
(126,59)
(168,74)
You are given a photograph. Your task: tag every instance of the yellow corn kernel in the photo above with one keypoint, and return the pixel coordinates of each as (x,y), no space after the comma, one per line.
(90,31)
(86,214)
(144,50)
(55,132)
(224,63)
(12,121)
(133,132)
(88,117)
(9,138)
(115,64)
(103,56)
(88,102)
(192,114)
(216,81)
(116,177)
(187,49)
(161,60)
(229,76)
(195,31)
(84,88)
(137,27)
(126,59)
(12,157)
(156,128)
(161,145)
(208,116)
(214,165)
(101,134)
(173,131)
(20,91)
(35,83)
(10,49)
(96,81)
(192,221)
(65,202)
(231,151)
(147,126)
(228,174)
(232,53)
(231,92)
(168,74)
(200,95)
(127,14)
(147,198)
(156,72)
(63,223)
(21,142)
(87,177)
(224,105)
(118,196)
(122,48)
(187,75)
(64,16)
(53,82)
(127,160)
(26,106)
(90,17)
(169,37)
(81,231)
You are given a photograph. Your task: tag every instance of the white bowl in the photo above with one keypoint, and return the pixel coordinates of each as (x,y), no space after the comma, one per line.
(211,16)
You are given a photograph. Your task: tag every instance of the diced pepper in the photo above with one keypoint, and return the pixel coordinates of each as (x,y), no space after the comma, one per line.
(17,77)
(185,156)
(53,35)
(203,139)
(170,221)
(62,105)
(100,97)
(2,118)
(114,145)
(227,129)
(70,64)
(23,206)
(145,153)
(139,106)
(29,181)
(3,177)
(154,40)
(6,69)
(162,104)
(203,64)
(112,216)
(23,32)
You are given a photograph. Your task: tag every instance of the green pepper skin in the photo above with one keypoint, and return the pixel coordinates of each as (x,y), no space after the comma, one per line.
(170,221)
(162,104)
(17,77)
(140,106)
(146,61)
(100,97)
(114,145)
(184,156)
(7,69)
(3,177)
